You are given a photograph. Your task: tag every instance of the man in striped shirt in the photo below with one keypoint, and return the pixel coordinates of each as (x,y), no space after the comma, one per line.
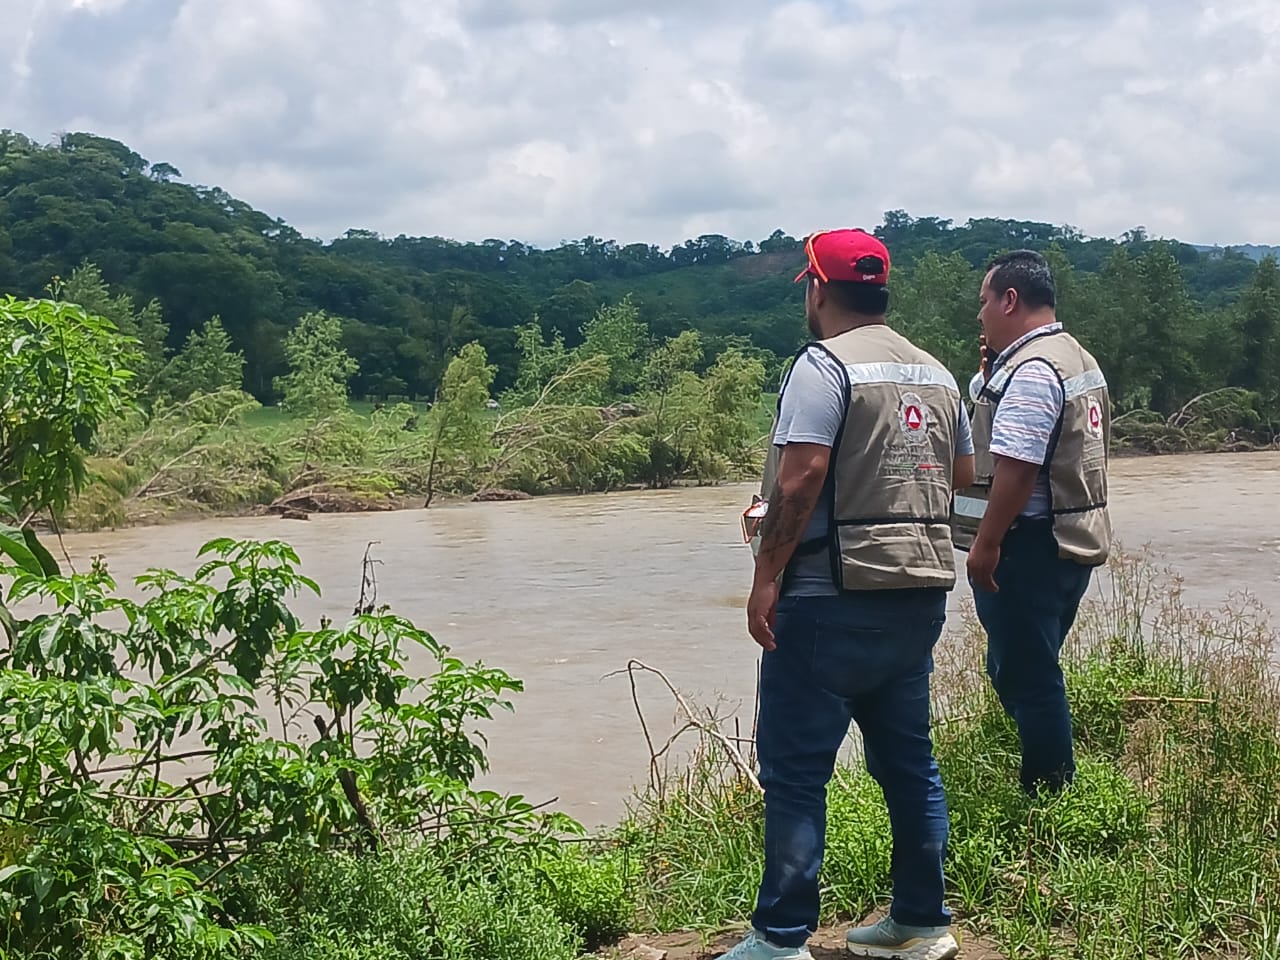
(1035,548)
(1026,418)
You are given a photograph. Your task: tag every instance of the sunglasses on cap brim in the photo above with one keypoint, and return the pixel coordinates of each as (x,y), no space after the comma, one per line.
(814,269)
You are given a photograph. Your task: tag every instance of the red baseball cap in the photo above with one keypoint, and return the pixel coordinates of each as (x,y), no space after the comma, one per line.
(854,256)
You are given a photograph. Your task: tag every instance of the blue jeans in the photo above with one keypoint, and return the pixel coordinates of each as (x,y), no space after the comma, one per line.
(865,657)
(1026,624)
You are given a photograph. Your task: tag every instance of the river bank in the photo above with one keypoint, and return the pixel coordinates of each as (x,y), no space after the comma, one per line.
(305,502)
(1164,847)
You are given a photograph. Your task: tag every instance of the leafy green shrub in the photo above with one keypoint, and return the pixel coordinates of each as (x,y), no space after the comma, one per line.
(403,903)
(63,374)
(314,900)
(1101,813)
(589,892)
(501,920)
(114,845)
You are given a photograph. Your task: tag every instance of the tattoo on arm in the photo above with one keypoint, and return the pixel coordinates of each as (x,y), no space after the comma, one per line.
(784,525)
(771,519)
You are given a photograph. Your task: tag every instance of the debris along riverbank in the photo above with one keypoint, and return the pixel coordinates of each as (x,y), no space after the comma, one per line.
(221,454)
(1226,420)
(175,469)
(358,496)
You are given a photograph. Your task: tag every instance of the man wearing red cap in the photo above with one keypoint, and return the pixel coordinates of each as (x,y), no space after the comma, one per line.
(853,562)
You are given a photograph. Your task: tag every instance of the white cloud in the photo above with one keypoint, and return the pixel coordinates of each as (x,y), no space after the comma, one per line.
(550,119)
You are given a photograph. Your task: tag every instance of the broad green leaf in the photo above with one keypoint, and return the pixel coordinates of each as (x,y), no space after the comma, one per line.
(43,883)
(13,870)
(47,564)
(13,544)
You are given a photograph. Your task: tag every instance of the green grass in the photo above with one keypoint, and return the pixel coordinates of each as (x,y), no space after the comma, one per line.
(401,904)
(408,901)
(267,418)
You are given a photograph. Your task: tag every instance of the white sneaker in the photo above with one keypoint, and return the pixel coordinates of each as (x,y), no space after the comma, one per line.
(755,947)
(890,940)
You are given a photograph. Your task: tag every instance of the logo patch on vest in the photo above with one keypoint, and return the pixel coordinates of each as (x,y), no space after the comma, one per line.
(1094,418)
(913,416)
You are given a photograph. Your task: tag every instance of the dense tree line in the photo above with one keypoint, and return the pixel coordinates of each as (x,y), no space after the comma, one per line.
(202,270)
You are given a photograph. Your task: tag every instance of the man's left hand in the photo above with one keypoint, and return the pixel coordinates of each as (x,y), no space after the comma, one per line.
(984,556)
(762,607)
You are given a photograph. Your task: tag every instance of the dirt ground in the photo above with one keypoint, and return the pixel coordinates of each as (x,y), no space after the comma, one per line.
(827,944)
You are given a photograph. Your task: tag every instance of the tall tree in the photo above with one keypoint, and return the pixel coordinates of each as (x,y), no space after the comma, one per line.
(207,363)
(935,304)
(570,309)
(617,333)
(1259,323)
(1164,319)
(672,402)
(458,424)
(147,326)
(319,367)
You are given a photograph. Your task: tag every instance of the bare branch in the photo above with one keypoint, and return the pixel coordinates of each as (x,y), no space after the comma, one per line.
(170,798)
(708,729)
(174,758)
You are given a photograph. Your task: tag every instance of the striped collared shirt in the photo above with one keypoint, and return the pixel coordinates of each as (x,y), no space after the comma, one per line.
(1027,416)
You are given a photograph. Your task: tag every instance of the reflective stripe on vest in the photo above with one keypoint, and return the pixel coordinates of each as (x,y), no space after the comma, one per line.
(1078,386)
(905,374)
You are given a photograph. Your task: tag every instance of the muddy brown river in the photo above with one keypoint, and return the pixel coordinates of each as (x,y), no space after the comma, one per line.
(562,591)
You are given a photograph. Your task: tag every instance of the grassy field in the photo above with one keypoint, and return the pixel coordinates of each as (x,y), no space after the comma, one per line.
(274,417)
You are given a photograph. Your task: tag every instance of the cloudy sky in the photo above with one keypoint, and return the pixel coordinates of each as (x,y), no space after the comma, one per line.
(656,120)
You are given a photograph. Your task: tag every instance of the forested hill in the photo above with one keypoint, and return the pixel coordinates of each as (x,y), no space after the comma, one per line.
(1168,318)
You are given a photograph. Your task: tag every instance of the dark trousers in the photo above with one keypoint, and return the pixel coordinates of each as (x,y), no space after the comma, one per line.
(1026,623)
(865,657)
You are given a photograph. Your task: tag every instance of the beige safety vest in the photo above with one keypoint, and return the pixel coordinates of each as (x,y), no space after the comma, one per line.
(1077,457)
(890,480)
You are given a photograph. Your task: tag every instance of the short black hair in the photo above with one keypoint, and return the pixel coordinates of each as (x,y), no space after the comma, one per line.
(1026,272)
(869,299)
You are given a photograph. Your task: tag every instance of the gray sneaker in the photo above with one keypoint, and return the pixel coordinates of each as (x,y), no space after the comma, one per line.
(756,947)
(890,940)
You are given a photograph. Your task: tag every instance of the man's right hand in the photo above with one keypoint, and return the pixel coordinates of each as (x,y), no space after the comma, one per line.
(984,364)
(984,557)
(762,608)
